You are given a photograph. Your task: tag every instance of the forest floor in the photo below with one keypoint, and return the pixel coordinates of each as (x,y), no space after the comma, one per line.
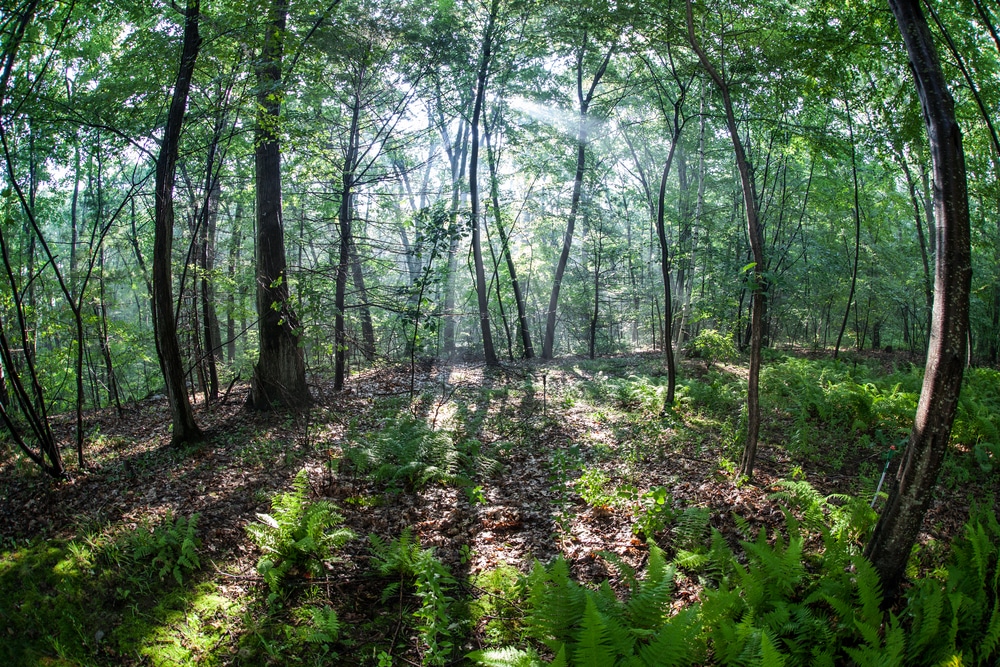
(573,458)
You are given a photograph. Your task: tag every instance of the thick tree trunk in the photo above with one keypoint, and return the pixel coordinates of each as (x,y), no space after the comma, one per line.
(755,234)
(343,264)
(184,427)
(911,491)
(482,289)
(279,377)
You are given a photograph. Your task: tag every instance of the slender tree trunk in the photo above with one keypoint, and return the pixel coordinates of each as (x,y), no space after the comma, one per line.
(210,319)
(755,234)
(457,155)
(661,235)
(358,278)
(522,317)
(911,490)
(482,293)
(857,229)
(234,260)
(584,99)
(184,427)
(592,338)
(279,377)
(343,264)
(101,311)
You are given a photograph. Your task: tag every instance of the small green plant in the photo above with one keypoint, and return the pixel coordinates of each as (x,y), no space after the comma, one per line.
(596,489)
(172,547)
(712,346)
(432,584)
(655,512)
(297,535)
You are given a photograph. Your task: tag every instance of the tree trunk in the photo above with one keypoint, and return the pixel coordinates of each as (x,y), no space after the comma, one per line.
(857,229)
(759,284)
(209,316)
(457,155)
(522,317)
(184,427)
(358,278)
(279,377)
(584,99)
(911,489)
(343,264)
(661,235)
(482,294)
(234,260)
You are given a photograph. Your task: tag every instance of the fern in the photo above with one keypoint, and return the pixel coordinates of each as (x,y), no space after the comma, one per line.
(173,546)
(593,645)
(296,535)
(431,583)
(410,453)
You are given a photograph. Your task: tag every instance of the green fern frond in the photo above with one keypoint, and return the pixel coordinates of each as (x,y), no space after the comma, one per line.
(593,645)
(769,654)
(689,532)
(869,588)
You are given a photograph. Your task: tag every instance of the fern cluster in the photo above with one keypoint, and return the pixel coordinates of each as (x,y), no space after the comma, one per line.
(961,615)
(298,534)
(409,453)
(806,596)
(432,584)
(172,546)
(585,626)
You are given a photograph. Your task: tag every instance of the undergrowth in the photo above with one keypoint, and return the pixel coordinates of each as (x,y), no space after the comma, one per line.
(802,596)
(298,535)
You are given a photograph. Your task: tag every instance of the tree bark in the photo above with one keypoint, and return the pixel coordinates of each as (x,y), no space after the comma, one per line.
(911,489)
(759,283)
(279,377)
(522,317)
(184,427)
(344,217)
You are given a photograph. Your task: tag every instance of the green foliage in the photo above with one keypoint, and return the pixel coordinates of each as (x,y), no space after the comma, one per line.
(805,596)
(960,617)
(172,547)
(582,626)
(495,605)
(712,346)
(640,393)
(655,513)
(596,489)
(432,584)
(407,452)
(298,535)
